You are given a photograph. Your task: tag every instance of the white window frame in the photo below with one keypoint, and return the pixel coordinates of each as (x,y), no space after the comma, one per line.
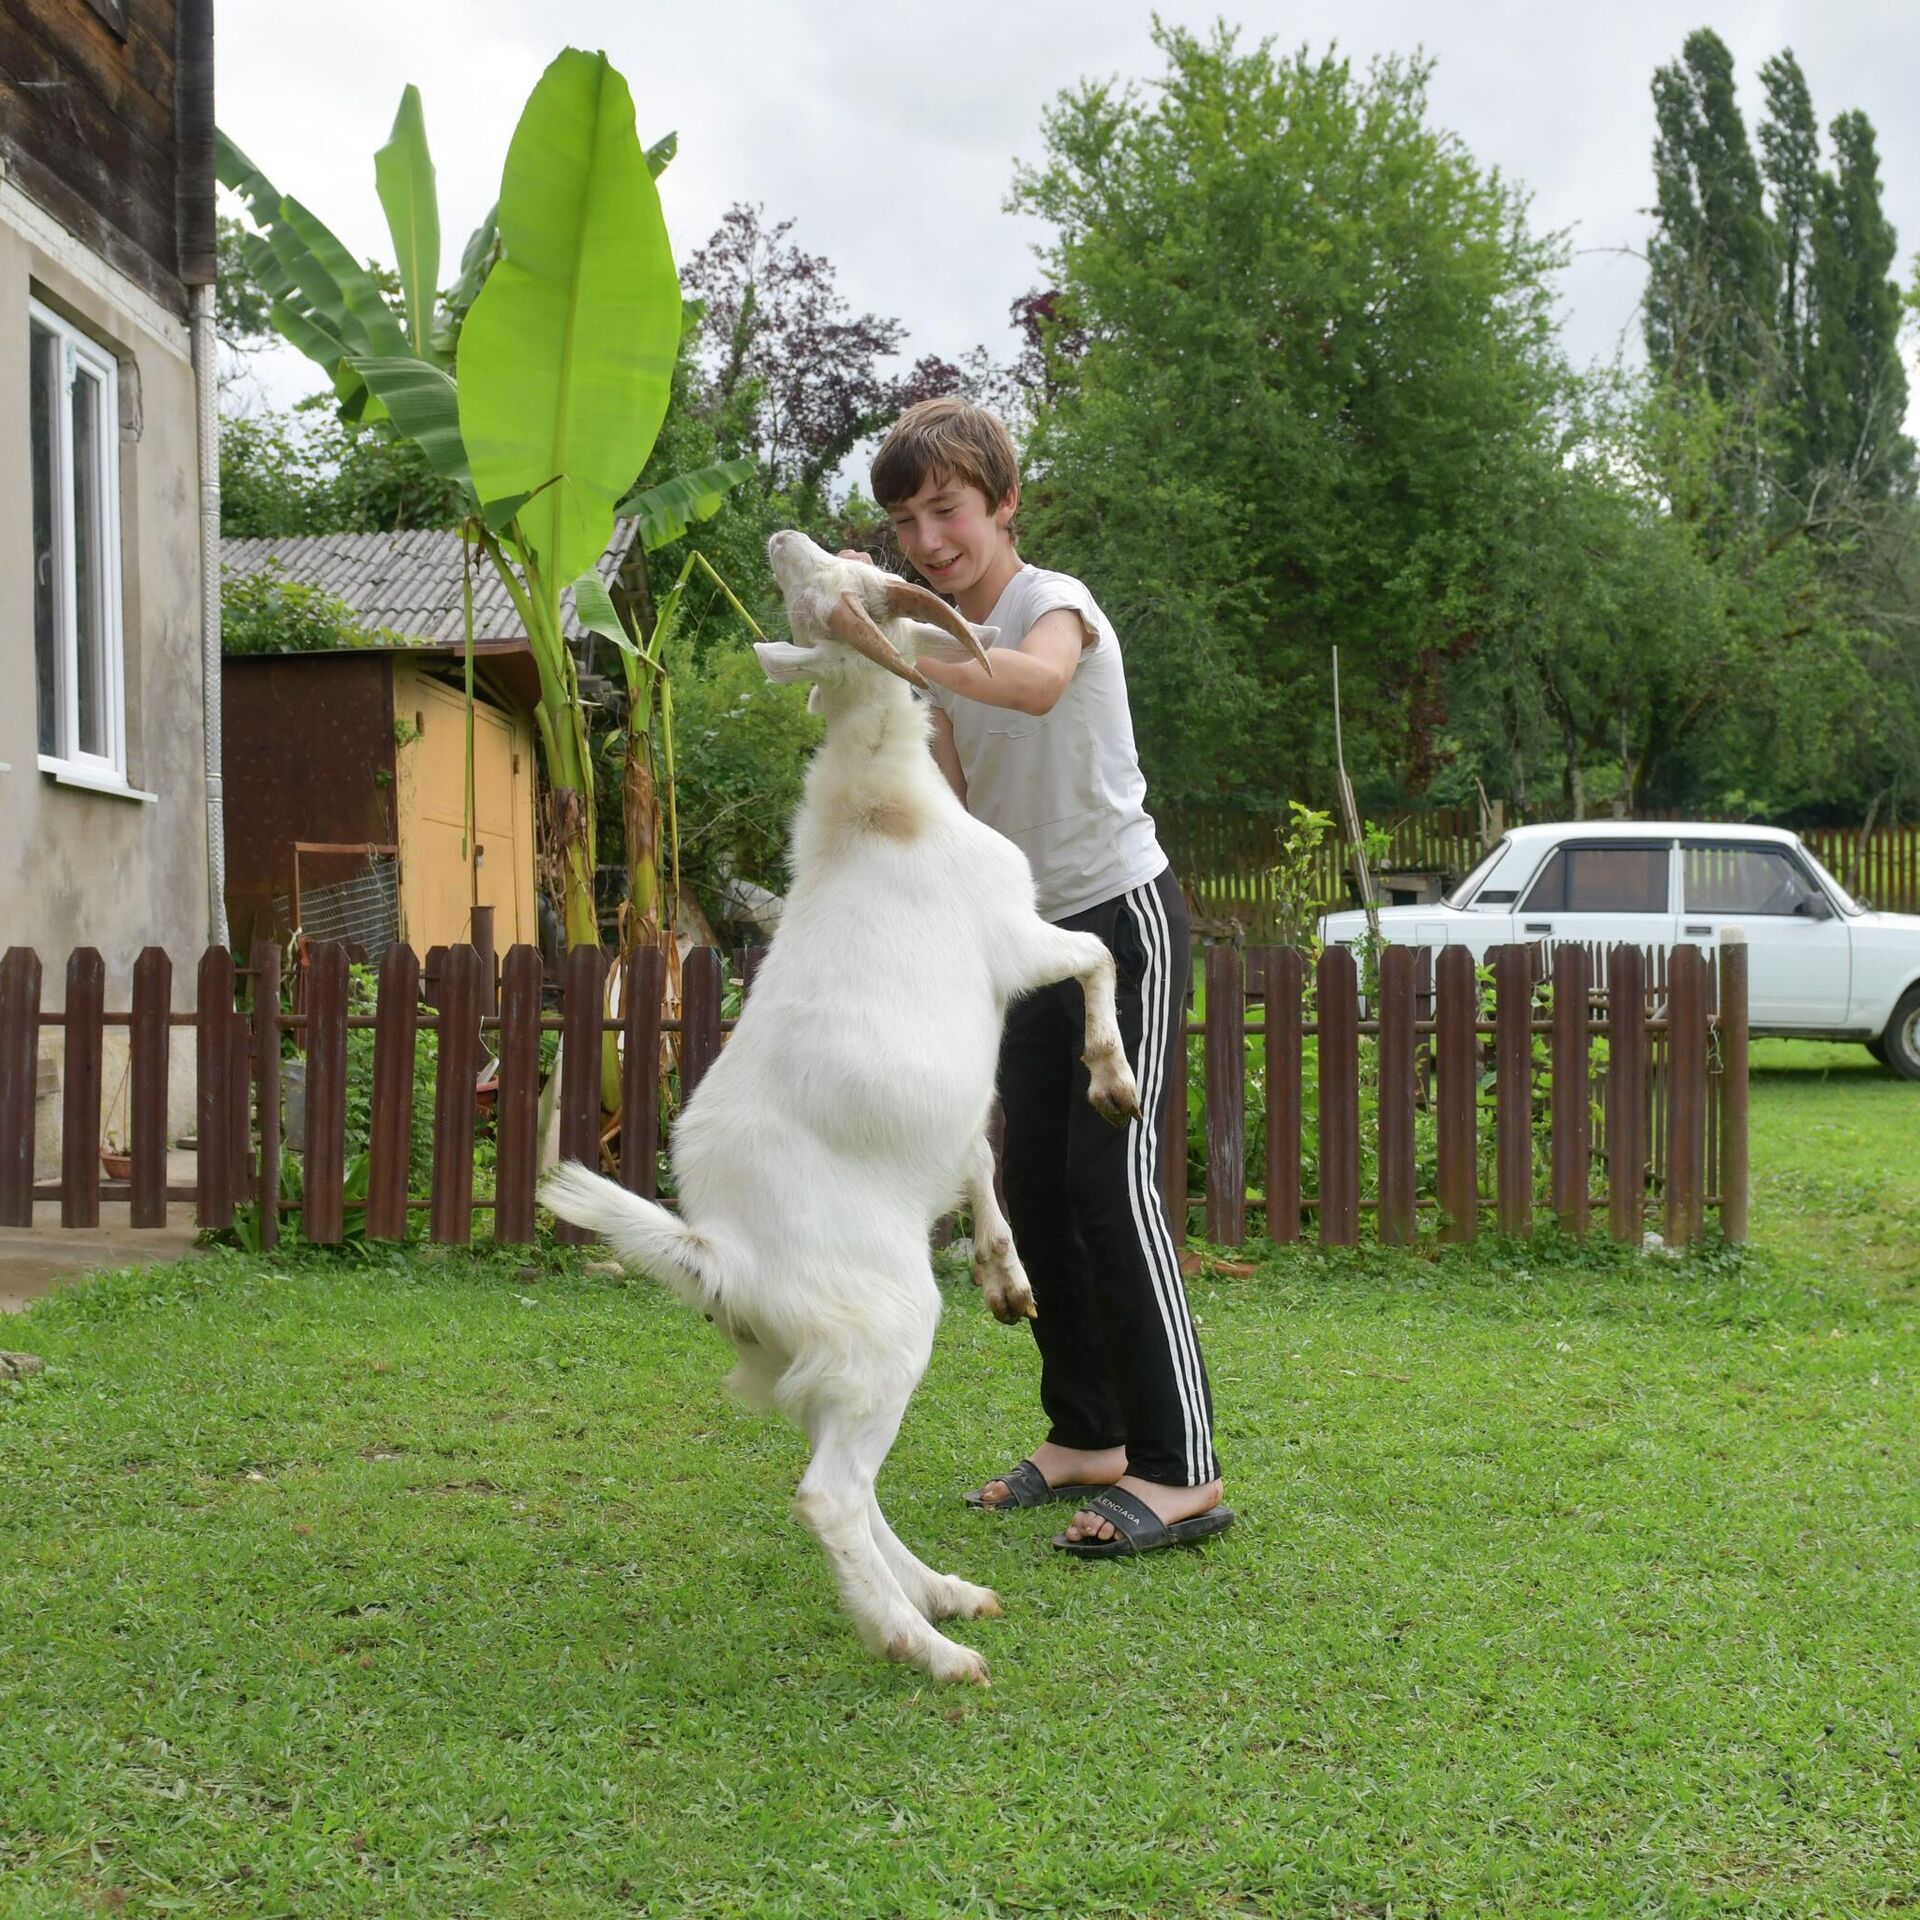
(68,762)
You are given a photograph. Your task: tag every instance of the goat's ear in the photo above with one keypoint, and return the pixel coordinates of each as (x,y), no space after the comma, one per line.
(782,660)
(922,640)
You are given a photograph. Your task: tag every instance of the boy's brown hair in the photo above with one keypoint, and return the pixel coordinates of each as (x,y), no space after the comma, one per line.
(950,438)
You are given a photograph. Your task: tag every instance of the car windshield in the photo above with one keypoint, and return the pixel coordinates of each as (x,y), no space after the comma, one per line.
(1848,904)
(1465,890)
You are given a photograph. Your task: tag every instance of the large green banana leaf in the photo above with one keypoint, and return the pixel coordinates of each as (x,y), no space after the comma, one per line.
(566,361)
(403,177)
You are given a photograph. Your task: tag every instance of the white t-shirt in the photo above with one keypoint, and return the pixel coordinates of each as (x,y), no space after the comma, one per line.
(1065,786)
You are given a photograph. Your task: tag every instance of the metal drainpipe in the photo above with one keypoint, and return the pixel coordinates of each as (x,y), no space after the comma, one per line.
(206,383)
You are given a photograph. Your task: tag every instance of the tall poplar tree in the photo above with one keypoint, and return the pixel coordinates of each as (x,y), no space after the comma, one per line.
(1854,384)
(1790,160)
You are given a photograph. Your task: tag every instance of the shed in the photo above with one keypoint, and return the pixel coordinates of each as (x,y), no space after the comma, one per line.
(345,771)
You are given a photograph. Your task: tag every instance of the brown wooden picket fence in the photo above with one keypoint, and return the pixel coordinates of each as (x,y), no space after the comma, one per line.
(1666,1119)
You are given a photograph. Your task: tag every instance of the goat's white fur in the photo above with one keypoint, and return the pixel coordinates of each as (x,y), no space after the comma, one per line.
(848,1111)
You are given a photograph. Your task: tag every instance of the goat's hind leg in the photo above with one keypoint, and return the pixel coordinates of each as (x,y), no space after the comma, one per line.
(1048,953)
(836,1502)
(940,1596)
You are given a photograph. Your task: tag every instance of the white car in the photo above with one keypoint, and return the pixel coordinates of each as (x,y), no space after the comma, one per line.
(1821,965)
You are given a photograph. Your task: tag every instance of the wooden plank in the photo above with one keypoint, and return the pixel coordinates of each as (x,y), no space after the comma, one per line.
(323,1212)
(1513,1088)
(1338,991)
(1572,1089)
(19,1076)
(456,1071)
(1457,1078)
(147,1088)
(583,978)
(1735,1179)
(1226,1106)
(1397,987)
(1284,970)
(701,984)
(80,1092)
(1171,1129)
(640,1067)
(396,1017)
(1626,1094)
(1686,1096)
(213,1100)
(265,965)
(517,1108)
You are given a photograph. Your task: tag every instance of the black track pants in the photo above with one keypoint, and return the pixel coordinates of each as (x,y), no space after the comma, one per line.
(1119,1359)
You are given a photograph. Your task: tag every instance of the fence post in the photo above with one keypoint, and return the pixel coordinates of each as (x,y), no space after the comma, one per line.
(455,1075)
(1226,1097)
(147,1087)
(266,1069)
(1396,1097)
(213,1097)
(640,1070)
(1734,1187)
(583,984)
(80,1103)
(19,1066)
(1339,997)
(323,1204)
(701,981)
(1513,1087)
(1285,976)
(517,1107)
(1572,1143)
(1686,1094)
(1172,1128)
(396,1018)
(1457,1076)
(1626,1094)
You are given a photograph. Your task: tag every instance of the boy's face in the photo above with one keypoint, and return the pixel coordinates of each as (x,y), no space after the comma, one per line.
(950,533)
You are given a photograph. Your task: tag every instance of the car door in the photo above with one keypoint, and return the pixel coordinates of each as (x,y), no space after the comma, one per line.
(1601,892)
(1799,953)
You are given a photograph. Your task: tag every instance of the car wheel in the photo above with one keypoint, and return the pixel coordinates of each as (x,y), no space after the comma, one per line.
(1878,1048)
(1902,1037)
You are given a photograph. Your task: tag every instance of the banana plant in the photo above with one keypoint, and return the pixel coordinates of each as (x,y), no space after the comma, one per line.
(537,383)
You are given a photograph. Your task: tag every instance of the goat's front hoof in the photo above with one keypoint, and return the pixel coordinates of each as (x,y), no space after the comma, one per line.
(1115,1097)
(998,1274)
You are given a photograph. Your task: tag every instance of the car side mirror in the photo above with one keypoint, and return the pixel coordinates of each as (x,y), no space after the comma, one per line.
(1814,907)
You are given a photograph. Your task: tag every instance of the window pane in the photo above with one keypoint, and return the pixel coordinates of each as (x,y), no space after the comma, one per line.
(1757,880)
(1602,880)
(43,387)
(93,685)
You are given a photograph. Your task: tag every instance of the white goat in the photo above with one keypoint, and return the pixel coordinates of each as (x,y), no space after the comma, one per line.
(848,1111)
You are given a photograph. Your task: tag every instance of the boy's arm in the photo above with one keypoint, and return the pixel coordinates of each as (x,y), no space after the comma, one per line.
(946,755)
(1028,678)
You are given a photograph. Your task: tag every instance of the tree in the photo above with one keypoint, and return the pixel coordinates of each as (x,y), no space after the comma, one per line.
(1790,160)
(1855,387)
(1316,351)
(1713,265)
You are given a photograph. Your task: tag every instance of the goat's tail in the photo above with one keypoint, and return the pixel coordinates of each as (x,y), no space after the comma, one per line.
(641,1234)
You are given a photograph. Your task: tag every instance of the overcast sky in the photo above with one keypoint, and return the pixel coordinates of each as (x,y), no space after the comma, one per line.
(890,133)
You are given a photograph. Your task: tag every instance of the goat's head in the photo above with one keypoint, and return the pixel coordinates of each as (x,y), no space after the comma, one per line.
(849,618)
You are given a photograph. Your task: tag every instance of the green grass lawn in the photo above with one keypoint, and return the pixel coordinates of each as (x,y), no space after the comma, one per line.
(1566,1582)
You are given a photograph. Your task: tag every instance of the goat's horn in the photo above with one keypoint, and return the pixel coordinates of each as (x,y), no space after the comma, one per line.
(851,622)
(916,603)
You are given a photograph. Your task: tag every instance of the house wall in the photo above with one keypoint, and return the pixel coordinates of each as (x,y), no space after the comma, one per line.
(79,867)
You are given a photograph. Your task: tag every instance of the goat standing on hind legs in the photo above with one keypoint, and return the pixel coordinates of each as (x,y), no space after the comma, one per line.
(849,1109)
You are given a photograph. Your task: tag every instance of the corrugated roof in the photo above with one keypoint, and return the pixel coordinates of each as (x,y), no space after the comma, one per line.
(409,582)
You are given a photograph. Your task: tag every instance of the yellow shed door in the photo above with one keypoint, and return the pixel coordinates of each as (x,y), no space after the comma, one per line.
(430,779)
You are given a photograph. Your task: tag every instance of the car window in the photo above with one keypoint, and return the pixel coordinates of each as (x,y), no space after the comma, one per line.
(1754,880)
(1486,864)
(1602,880)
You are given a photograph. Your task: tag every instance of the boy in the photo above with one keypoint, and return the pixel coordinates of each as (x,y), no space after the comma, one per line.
(1042,749)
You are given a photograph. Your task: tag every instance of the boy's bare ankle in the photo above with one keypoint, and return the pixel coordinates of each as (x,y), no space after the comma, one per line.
(1062,1465)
